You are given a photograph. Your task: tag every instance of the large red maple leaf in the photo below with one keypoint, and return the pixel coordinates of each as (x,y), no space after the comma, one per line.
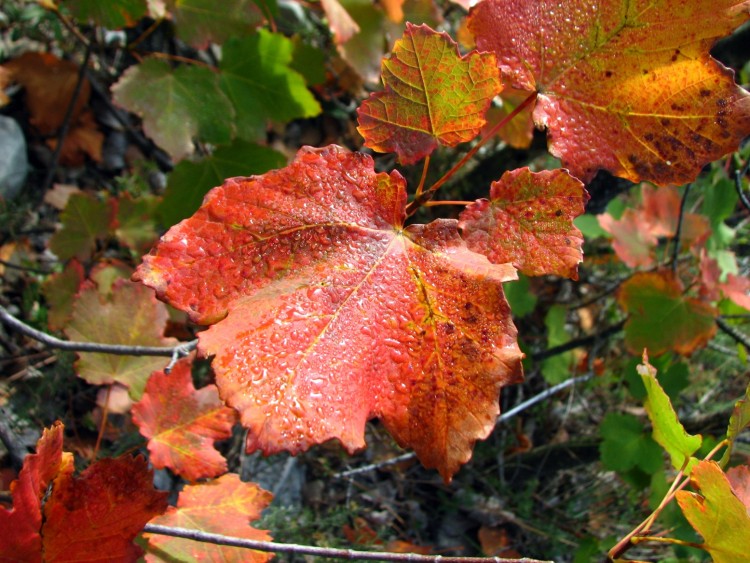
(329,312)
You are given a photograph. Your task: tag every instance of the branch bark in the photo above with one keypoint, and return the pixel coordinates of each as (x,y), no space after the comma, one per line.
(219,539)
(116,349)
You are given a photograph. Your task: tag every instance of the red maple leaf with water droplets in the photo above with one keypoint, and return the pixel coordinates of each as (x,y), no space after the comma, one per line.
(329,312)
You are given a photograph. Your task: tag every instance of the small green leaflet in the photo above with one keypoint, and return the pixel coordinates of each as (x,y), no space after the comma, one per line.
(668,431)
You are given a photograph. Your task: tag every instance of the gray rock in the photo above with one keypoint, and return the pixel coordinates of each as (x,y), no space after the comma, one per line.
(14,164)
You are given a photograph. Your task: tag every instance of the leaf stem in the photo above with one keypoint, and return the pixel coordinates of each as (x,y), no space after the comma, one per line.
(674,541)
(424,197)
(220,539)
(424,176)
(446,202)
(632,538)
(67,23)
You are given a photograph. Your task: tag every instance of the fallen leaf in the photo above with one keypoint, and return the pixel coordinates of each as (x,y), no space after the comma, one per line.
(49,83)
(86,220)
(129,316)
(59,291)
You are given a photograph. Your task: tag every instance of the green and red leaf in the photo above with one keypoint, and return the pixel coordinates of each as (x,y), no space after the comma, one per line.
(182,423)
(528,222)
(661,318)
(86,219)
(624,86)
(328,312)
(177,105)
(432,95)
(131,316)
(716,513)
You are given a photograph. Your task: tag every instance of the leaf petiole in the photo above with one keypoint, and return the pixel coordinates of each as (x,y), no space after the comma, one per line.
(446,202)
(423,197)
(424,175)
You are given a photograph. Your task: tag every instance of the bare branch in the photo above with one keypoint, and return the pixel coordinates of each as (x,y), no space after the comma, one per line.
(738,336)
(738,175)
(63,131)
(578,342)
(219,539)
(678,230)
(116,349)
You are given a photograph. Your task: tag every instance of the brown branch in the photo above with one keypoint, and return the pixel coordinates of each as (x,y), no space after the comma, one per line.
(578,342)
(678,230)
(426,196)
(738,336)
(63,131)
(117,349)
(219,539)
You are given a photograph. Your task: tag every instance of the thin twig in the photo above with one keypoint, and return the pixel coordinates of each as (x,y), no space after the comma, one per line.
(63,131)
(539,397)
(678,230)
(219,539)
(426,196)
(738,175)
(116,349)
(578,342)
(738,336)
(30,269)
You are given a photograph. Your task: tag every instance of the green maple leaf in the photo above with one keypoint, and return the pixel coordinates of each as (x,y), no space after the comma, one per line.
(257,77)
(177,105)
(112,14)
(190,181)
